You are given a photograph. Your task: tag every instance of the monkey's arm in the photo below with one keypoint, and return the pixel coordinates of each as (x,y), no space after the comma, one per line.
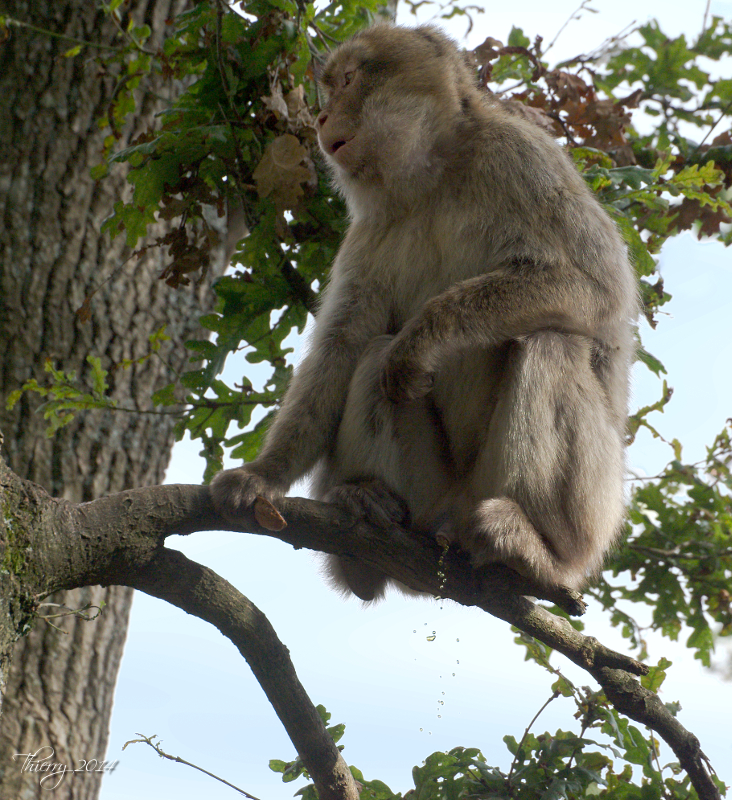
(489,310)
(306,424)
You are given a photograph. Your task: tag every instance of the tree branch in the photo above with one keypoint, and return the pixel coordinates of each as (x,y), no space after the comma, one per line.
(172,577)
(120,539)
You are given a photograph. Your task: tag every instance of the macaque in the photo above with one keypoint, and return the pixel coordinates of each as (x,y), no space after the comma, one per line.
(468,372)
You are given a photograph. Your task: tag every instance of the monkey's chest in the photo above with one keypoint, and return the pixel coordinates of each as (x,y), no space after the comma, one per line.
(417,266)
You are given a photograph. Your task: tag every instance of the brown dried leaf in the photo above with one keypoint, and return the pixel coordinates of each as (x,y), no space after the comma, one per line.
(609,120)
(632,100)
(604,122)
(566,86)
(173,207)
(488,51)
(282,171)
(711,220)
(691,211)
(84,310)
(297,107)
(275,102)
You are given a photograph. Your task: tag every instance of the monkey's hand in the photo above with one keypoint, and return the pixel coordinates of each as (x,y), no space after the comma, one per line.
(234,491)
(403,378)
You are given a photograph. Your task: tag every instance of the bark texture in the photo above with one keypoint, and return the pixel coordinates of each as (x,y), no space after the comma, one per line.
(60,688)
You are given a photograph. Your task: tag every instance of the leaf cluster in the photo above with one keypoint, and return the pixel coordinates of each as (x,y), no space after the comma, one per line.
(677,559)
(238,147)
(66,395)
(607,758)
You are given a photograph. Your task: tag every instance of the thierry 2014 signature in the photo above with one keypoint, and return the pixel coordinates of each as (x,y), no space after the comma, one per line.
(52,772)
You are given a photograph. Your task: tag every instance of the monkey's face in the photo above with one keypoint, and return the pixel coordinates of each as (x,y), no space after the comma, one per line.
(341,133)
(389,92)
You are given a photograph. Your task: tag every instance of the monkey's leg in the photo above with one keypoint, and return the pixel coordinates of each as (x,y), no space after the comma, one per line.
(546,493)
(498,531)
(387,464)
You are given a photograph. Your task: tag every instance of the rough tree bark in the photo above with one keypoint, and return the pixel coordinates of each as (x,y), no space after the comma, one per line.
(51,255)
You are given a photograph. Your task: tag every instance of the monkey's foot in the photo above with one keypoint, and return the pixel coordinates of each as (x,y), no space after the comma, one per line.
(371,499)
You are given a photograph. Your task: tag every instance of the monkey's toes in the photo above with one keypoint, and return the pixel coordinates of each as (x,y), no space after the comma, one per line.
(373,500)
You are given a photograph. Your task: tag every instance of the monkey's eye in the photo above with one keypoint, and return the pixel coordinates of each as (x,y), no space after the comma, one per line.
(347,77)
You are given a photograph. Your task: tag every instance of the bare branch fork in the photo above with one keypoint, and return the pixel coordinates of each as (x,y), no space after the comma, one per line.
(120,540)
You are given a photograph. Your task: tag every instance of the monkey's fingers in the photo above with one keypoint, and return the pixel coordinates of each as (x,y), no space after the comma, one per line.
(267,515)
(234,491)
(403,381)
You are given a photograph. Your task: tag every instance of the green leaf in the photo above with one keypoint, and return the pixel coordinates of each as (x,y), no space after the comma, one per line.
(165,396)
(99,171)
(99,375)
(656,675)
(517,38)
(642,260)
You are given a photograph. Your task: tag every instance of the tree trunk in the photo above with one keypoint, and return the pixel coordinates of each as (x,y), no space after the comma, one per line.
(60,689)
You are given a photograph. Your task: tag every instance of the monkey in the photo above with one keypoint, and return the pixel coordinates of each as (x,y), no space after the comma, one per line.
(469,367)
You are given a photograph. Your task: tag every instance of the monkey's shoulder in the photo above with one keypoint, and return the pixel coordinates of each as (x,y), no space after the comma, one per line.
(515,160)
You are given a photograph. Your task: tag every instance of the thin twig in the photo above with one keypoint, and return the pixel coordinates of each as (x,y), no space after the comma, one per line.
(601,48)
(178,760)
(323,35)
(526,733)
(573,16)
(721,117)
(10,21)
(706,13)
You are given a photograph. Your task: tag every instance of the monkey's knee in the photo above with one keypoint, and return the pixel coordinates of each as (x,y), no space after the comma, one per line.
(372,357)
(347,575)
(366,444)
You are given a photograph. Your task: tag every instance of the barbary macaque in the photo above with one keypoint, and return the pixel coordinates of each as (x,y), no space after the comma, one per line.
(468,372)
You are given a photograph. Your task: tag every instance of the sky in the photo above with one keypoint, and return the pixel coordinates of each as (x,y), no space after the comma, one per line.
(412,676)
